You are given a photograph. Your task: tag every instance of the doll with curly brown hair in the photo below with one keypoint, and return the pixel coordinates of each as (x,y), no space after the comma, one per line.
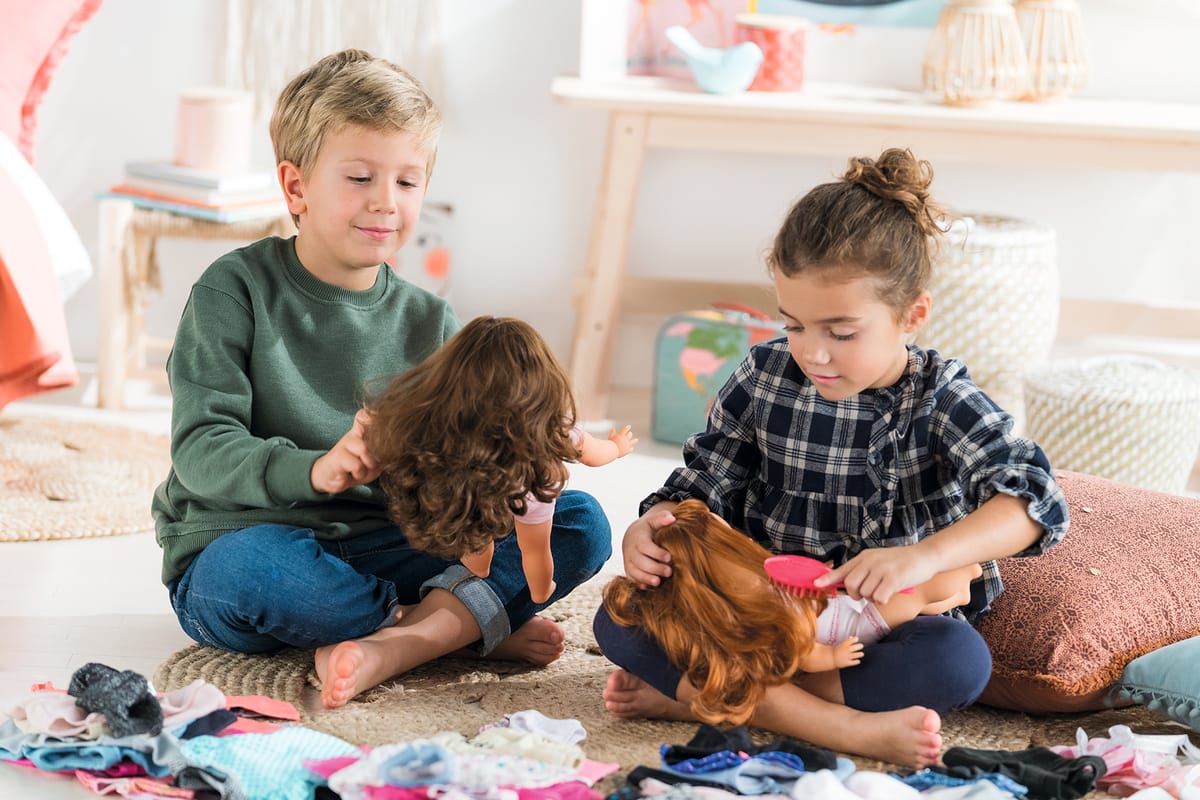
(756,635)
(473,441)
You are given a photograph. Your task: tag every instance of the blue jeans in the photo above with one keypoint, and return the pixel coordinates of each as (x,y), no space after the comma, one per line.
(936,662)
(267,587)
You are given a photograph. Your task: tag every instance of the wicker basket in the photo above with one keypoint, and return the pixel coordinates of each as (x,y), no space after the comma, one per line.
(995,303)
(1126,418)
(975,54)
(1055,47)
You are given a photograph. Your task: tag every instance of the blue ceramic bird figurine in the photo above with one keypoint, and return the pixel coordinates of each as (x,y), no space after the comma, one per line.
(719,70)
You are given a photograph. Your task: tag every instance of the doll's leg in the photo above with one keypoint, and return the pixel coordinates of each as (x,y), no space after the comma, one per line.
(580,543)
(939,594)
(537,560)
(480,563)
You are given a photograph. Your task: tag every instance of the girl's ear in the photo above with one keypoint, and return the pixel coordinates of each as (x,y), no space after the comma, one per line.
(292,184)
(918,313)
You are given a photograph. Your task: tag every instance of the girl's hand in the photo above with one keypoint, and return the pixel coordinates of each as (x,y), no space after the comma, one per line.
(645,562)
(623,439)
(347,464)
(879,572)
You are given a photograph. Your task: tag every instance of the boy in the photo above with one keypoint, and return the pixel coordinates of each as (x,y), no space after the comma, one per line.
(273,532)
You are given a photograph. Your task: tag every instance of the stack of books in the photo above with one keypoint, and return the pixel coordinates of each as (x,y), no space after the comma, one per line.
(199,193)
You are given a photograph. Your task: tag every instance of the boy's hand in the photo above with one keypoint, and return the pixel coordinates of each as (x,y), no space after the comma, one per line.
(347,464)
(879,572)
(623,439)
(645,562)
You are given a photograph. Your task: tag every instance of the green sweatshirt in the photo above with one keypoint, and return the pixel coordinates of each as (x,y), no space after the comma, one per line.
(268,368)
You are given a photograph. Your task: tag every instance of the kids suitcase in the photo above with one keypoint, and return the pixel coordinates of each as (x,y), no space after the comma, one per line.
(695,354)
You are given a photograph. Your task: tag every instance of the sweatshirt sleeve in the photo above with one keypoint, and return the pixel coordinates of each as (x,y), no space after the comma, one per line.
(213,452)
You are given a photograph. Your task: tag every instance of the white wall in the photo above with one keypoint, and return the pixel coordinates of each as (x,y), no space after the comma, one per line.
(522,171)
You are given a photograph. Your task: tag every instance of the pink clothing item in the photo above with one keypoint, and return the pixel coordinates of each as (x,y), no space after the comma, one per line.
(56,713)
(248,725)
(845,617)
(1138,761)
(263,706)
(197,699)
(327,766)
(396,792)
(572,790)
(121,769)
(132,787)
(591,772)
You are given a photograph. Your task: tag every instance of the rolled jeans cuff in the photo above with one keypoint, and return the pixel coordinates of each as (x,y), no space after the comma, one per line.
(479,598)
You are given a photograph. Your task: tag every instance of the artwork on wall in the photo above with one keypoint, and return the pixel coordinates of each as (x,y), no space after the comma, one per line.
(712,23)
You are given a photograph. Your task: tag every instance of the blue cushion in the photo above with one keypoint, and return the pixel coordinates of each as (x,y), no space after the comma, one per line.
(1167,681)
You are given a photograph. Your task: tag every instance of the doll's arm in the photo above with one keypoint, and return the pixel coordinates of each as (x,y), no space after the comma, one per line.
(536,557)
(823,657)
(480,563)
(939,594)
(598,452)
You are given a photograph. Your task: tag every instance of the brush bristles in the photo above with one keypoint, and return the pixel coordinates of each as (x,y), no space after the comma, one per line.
(798,591)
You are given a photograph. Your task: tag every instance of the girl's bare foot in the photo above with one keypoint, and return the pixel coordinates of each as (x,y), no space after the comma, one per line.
(539,641)
(629,697)
(909,737)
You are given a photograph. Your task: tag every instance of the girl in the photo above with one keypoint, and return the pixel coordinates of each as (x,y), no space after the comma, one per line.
(844,443)
(472,443)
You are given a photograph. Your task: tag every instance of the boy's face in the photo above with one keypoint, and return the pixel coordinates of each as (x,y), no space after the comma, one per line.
(358,204)
(843,337)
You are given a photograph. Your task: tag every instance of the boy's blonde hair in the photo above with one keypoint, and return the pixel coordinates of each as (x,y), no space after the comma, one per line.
(350,88)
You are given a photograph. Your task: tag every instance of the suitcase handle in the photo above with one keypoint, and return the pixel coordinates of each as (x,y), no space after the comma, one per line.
(747,310)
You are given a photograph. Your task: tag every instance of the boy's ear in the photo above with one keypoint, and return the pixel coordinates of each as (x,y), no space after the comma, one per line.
(293,187)
(918,312)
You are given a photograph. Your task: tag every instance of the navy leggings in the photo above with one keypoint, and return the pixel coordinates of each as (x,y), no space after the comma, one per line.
(936,662)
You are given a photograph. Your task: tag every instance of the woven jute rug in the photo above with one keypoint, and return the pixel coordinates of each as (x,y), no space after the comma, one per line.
(463,695)
(65,478)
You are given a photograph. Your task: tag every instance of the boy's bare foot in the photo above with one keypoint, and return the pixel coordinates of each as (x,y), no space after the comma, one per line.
(629,697)
(350,668)
(539,641)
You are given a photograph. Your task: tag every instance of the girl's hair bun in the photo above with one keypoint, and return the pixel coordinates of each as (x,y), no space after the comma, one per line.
(900,176)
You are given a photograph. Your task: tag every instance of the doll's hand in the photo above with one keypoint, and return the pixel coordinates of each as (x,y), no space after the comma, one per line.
(645,562)
(347,464)
(847,653)
(623,439)
(879,572)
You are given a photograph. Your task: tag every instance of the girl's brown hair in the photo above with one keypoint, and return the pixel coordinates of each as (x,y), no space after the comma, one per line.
(879,219)
(718,618)
(467,434)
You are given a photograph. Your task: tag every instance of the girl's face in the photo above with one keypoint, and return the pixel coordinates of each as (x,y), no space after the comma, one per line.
(841,335)
(359,203)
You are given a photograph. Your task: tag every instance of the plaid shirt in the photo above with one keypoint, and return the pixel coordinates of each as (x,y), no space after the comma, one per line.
(886,467)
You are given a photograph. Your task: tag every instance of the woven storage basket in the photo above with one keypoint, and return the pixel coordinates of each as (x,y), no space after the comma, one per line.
(995,303)
(1126,418)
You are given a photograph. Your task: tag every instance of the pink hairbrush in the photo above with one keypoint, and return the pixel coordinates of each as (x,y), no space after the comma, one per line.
(796,575)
